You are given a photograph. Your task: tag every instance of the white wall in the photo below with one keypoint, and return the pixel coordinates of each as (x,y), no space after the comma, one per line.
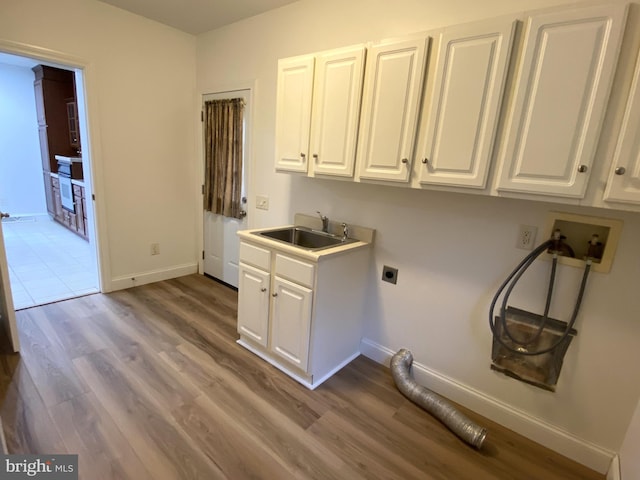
(140,89)
(629,459)
(452,250)
(21,184)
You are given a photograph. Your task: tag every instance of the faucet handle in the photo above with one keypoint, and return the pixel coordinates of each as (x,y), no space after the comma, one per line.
(345,231)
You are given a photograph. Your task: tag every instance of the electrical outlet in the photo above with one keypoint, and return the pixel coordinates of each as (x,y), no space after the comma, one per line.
(155,249)
(262,202)
(389,274)
(526,237)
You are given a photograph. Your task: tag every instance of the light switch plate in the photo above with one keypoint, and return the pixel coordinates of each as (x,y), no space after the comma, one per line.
(262,202)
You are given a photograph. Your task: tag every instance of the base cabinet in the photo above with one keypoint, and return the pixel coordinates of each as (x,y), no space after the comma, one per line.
(74,221)
(303,316)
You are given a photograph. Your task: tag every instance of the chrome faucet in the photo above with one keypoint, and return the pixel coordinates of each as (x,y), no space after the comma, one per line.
(345,232)
(325,222)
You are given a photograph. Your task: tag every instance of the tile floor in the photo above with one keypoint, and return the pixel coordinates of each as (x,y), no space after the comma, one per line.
(47,262)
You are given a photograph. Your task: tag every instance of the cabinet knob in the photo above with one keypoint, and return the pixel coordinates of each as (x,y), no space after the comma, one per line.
(263,289)
(425,160)
(583,168)
(303,156)
(405,160)
(620,171)
(315,157)
(275,294)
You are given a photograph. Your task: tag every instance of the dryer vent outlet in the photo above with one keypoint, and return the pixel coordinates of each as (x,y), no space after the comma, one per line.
(389,274)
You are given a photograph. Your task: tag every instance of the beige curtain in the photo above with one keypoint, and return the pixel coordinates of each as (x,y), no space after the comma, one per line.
(223,156)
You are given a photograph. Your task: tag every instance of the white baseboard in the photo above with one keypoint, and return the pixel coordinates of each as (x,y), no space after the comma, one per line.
(539,431)
(614,472)
(137,279)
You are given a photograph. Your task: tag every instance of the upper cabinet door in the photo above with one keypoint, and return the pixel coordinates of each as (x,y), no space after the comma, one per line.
(623,184)
(293,113)
(392,90)
(336,111)
(561,92)
(460,116)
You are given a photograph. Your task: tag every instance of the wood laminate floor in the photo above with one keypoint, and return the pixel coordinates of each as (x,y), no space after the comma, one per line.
(148,383)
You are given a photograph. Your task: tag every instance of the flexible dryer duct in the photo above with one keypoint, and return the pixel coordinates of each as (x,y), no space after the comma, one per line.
(458,423)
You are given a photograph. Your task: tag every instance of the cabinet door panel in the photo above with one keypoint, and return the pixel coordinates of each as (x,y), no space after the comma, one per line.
(561,92)
(623,184)
(291,322)
(253,304)
(293,113)
(392,92)
(336,111)
(457,140)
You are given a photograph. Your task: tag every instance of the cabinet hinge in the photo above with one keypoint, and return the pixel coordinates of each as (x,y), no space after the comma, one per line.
(202,189)
(203,254)
(202,115)
(93,197)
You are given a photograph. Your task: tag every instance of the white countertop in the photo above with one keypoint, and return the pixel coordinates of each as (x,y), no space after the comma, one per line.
(363,236)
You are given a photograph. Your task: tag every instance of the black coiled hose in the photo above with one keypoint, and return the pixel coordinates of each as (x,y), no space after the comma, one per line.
(511,281)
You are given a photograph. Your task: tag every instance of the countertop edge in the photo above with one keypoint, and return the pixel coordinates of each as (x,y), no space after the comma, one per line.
(249,235)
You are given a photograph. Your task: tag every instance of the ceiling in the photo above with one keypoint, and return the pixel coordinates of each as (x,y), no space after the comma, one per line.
(191,16)
(197,16)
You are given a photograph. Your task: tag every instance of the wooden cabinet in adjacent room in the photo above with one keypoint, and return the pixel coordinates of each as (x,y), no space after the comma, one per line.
(53,87)
(74,221)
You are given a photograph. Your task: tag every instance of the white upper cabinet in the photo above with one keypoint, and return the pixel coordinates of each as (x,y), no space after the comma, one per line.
(293,113)
(623,184)
(561,91)
(317,112)
(335,114)
(460,114)
(392,91)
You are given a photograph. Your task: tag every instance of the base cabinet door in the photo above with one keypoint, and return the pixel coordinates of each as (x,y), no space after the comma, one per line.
(562,88)
(291,322)
(253,304)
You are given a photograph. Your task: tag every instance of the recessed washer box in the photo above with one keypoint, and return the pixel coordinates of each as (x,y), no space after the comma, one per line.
(579,230)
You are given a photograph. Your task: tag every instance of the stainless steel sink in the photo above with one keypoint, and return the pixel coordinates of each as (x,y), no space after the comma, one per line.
(305,238)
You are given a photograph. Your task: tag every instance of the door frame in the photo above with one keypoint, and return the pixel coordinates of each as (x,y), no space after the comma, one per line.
(250,86)
(86,84)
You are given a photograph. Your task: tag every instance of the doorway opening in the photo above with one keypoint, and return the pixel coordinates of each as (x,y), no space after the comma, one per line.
(221,244)
(51,252)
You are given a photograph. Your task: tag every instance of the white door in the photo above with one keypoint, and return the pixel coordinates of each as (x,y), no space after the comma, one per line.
(562,88)
(457,134)
(337,91)
(392,91)
(253,304)
(623,184)
(293,113)
(291,322)
(221,244)
(8,326)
